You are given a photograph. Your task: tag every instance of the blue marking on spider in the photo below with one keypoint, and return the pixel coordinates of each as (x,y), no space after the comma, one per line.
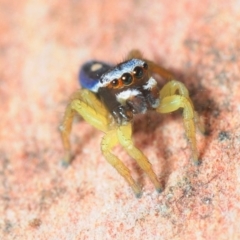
(90,74)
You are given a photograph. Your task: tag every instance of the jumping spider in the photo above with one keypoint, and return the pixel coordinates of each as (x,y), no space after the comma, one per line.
(112,95)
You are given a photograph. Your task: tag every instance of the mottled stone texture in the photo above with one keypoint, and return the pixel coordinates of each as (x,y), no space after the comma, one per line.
(42,45)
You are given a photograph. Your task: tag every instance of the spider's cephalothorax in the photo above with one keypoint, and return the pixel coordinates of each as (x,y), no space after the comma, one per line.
(123,91)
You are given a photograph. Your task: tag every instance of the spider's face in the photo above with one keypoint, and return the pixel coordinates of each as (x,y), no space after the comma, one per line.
(128,89)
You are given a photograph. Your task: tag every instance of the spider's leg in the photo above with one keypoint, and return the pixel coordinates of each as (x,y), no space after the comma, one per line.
(108,142)
(124,134)
(90,108)
(86,104)
(154,68)
(173,96)
(175,87)
(134,54)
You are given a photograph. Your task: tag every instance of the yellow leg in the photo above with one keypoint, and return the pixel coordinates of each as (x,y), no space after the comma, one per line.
(65,129)
(170,101)
(90,99)
(125,138)
(109,141)
(174,87)
(174,95)
(86,108)
(174,102)
(90,108)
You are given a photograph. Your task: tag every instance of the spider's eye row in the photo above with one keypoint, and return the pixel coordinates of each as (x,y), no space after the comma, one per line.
(127,78)
(115,82)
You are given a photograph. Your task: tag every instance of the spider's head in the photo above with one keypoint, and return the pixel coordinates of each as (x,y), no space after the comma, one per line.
(128,89)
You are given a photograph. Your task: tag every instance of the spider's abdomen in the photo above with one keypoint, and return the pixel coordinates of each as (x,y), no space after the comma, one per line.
(90,74)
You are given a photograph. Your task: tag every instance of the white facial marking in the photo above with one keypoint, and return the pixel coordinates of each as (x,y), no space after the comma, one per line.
(118,71)
(96,67)
(150,84)
(125,95)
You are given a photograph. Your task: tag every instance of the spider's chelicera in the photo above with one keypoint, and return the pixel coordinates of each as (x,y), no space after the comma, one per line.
(112,95)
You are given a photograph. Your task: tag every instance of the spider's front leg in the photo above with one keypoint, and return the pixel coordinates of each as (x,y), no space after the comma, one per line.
(124,134)
(86,104)
(173,96)
(109,141)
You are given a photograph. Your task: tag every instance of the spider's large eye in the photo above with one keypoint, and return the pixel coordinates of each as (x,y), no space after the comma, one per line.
(115,83)
(138,72)
(127,78)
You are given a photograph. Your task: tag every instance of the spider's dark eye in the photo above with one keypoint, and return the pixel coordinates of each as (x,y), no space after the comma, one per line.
(145,66)
(127,78)
(115,82)
(138,72)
